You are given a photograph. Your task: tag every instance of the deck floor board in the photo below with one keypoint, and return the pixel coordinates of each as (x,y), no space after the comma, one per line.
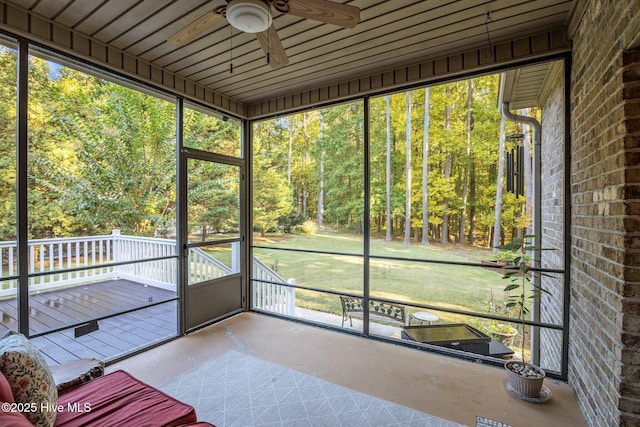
(116,335)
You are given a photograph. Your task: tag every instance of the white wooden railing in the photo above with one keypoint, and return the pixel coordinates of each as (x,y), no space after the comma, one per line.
(89,258)
(47,256)
(205,267)
(160,273)
(271,297)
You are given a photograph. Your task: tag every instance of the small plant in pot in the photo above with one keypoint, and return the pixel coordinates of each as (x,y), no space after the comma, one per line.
(501,331)
(525,378)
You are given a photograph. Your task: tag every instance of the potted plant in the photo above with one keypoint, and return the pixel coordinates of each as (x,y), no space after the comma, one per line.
(525,378)
(502,332)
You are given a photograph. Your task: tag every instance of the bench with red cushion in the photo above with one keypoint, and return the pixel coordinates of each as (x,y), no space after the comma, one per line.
(120,399)
(117,399)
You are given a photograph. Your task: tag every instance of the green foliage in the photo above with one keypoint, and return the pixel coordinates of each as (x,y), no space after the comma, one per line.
(271,195)
(290,222)
(7,144)
(209,133)
(521,290)
(309,227)
(102,156)
(213,198)
(498,328)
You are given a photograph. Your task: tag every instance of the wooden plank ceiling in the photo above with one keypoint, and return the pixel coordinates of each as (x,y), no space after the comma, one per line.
(390,33)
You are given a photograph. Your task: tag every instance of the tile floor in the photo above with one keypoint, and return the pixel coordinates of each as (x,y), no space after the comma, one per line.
(445,387)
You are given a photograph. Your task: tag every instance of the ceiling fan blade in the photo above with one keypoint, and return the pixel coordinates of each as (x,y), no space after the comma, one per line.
(196,28)
(272,47)
(323,11)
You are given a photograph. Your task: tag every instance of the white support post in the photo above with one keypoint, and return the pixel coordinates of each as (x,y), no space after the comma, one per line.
(117,252)
(235,257)
(291,298)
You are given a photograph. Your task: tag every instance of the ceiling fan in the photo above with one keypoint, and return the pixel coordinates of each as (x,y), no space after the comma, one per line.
(254,16)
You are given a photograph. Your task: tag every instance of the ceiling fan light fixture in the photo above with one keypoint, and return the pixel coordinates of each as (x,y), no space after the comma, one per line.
(249,16)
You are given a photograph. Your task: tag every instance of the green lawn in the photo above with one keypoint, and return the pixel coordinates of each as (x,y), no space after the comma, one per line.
(449,286)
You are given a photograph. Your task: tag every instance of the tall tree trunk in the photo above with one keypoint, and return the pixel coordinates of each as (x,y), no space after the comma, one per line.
(444,238)
(320,206)
(501,154)
(465,177)
(305,197)
(407,208)
(305,191)
(425,168)
(472,191)
(472,197)
(290,150)
(388,169)
(528,177)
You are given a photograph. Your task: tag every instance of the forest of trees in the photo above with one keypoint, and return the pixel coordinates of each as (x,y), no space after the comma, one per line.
(440,185)
(103,156)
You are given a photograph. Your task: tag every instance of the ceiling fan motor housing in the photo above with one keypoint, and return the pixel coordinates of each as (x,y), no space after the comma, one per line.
(249,16)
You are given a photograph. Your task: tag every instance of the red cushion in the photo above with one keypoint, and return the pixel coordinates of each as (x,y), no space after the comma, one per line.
(120,399)
(13,419)
(6,395)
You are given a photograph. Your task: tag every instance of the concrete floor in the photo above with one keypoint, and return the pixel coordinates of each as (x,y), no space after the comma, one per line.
(442,386)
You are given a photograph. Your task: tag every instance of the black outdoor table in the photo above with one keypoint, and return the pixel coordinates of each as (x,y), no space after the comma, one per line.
(459,336)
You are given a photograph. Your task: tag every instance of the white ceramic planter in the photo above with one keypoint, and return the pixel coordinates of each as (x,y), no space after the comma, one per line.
(525,385)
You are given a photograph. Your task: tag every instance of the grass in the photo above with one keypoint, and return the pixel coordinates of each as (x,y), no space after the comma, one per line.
(449,286)
(462,288)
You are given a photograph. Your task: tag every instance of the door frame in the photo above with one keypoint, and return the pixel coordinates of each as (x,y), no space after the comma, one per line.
(229,291)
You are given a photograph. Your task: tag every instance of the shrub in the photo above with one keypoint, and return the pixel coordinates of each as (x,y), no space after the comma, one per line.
(309,227)
(290,222)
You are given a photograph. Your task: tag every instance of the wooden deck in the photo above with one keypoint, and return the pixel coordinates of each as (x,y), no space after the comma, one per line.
(116,335)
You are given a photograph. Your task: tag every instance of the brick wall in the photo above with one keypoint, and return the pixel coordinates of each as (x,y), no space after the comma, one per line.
(630,375)
(604,351)
(552,210)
